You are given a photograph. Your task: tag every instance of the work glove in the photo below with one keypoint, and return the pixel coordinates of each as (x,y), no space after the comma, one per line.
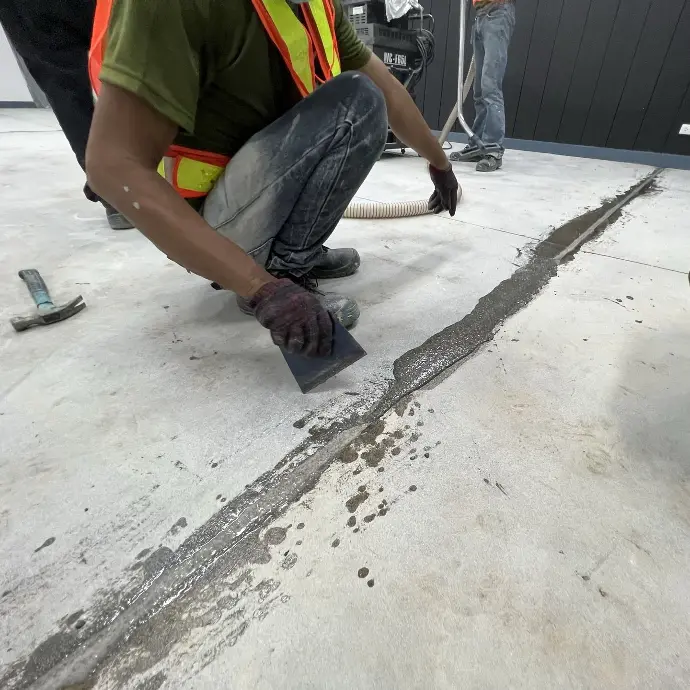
(445,196)
(297,320)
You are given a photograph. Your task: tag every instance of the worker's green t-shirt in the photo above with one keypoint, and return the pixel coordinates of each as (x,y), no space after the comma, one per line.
(209,66)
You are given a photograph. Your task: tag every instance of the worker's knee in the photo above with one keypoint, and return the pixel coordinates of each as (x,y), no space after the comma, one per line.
(373,104)
(365,91)
(363,99)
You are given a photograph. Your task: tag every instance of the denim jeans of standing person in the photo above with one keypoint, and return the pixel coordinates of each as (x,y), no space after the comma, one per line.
(491,34)
(286,189)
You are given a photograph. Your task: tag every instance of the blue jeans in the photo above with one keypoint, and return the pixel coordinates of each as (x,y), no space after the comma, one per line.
(286,189)
(491,34)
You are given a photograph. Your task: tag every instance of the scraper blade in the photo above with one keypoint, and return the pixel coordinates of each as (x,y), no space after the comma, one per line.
(310,372)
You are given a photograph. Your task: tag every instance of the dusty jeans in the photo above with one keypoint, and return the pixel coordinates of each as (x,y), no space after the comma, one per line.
(491,34)
(286,189)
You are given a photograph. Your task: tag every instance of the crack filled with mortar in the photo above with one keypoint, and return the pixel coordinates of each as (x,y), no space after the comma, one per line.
(76,659)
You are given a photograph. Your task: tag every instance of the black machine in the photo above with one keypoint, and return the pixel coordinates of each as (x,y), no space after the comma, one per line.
(405,45)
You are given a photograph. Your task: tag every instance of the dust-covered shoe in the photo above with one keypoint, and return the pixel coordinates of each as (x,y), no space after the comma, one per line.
(489,164)
(344,309)
(116,220)
(470,154)
(335,263)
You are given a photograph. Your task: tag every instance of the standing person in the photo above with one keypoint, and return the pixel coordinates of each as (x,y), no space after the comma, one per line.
(267,116)
(53,38)
(491,33)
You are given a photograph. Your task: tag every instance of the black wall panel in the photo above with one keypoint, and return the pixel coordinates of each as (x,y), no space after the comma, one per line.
(565,51)
(450,63)
(519,50)
(590,59)
(645,69)
(610,73)
(546,23)
(659,130)
(620,51)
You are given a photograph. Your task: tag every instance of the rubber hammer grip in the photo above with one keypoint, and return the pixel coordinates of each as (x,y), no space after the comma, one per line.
(37,288)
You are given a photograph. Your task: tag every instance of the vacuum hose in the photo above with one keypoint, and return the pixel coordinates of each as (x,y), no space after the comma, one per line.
(394,209)
(370,210)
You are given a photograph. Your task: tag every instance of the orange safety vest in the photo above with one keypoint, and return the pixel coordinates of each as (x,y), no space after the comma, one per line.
(193,172)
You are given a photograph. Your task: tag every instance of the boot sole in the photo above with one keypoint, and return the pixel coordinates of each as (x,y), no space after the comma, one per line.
(348,316)
(457,158)
(498,167)
(119,222)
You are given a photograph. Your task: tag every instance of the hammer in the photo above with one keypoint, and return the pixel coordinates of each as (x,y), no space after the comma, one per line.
(46,311)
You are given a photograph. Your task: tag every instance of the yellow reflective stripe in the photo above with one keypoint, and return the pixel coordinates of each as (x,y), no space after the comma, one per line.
(193,176)
(196,176)
(295,37)
(324,28)
(165,169)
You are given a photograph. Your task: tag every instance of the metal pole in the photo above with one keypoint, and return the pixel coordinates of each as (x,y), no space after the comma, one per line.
(454,114)
(461,74)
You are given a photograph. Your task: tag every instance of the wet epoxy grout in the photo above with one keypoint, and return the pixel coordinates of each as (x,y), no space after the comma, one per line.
(229,537)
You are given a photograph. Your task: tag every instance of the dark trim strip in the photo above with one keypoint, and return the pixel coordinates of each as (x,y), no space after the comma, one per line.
(17,104)
(651,158)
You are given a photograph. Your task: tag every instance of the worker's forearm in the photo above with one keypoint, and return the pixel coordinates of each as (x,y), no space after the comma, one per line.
(166,219)
(409,126)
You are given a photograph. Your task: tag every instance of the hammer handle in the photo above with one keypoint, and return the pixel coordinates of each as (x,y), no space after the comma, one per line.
(37,288)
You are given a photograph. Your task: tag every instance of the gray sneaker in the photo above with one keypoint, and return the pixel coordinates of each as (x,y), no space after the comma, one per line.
(335,263)
(116,220)
(344,309)
(489,164)
(470,154)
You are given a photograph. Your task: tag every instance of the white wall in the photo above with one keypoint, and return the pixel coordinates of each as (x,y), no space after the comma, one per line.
(13,86)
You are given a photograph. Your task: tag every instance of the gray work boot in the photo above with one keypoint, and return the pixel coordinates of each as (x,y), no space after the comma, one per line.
(470,154)
(489,164)
(344,309)
(116,220)
(335,263)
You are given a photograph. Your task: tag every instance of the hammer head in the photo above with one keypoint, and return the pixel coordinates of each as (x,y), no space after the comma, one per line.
(45,318)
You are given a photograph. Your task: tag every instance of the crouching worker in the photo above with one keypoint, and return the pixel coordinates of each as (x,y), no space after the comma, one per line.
(234,135)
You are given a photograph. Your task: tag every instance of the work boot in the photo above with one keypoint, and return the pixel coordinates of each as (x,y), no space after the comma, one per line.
(470,154)
(335,263)
(489,164)
(116,220)
(344,309)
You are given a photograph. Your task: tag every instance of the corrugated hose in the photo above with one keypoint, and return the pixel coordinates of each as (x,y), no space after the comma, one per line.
(373,210)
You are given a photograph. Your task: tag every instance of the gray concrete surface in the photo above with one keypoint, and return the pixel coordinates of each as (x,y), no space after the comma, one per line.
(175,514)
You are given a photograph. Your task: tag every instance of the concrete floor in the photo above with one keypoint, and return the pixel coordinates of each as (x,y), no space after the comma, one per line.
(174,513)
